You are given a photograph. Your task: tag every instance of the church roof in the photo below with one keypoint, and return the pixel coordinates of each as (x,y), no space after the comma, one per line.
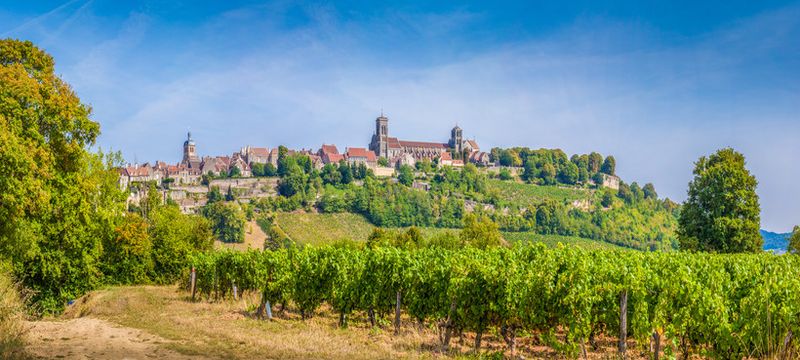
(422,144)
(329,149)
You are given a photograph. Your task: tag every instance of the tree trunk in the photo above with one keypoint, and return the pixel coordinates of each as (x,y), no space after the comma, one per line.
(342,320)
(397,314)
(656,345)
(583,350)
(478,337)
(623,322)
(371,315)
(448,326)
(509,334)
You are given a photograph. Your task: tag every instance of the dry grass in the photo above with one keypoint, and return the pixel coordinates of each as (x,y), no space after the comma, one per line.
(228,330)
(12,330)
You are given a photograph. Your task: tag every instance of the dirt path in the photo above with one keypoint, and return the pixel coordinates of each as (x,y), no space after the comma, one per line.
(89,338)
(254,238)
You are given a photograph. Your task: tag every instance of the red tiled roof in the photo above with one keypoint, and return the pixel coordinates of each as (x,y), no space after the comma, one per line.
(422,144)
(473,143)
(256,151)
(361,152)
(329,149)
(335,158)
(446,156)
(393,143)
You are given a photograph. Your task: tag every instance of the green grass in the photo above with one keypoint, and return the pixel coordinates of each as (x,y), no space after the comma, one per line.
(554,240)
(521,194)
(319,229)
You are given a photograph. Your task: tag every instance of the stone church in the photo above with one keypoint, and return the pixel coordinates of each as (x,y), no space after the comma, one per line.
(392,148)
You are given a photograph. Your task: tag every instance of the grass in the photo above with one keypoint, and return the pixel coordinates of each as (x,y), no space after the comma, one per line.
(319,229)
(12,330)
(554,240)
(521,194)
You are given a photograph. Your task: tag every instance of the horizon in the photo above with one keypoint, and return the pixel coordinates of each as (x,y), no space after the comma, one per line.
(656,86)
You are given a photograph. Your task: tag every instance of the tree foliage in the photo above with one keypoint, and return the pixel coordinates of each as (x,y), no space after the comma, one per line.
(722,213)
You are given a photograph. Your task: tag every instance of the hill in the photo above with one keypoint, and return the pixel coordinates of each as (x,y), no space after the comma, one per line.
(775,241)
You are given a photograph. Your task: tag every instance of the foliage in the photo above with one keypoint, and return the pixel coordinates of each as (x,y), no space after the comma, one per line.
(722,212)
(405,175)
(228,221)
(794,241)
(721,306)
(58,202)
(128,257)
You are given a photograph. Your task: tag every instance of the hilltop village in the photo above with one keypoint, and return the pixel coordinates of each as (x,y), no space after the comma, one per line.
(187,182)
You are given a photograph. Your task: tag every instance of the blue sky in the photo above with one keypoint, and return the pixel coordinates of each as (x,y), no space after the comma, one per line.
(657,84)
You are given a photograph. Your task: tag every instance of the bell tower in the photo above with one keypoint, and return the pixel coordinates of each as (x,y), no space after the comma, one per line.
(189,152)
(456,140)
(380,140)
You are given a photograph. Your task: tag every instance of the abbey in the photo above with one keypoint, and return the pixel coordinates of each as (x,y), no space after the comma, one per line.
(392,149)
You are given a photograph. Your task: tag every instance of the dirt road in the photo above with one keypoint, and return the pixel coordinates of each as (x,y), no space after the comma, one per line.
(89,338)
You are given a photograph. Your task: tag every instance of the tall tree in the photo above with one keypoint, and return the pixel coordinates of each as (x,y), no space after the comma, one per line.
(722,213)
(794,241)
(58,201)
(609,166)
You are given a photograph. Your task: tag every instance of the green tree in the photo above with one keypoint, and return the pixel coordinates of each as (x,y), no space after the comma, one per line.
(346,172)
(227,220)
(794,241)
(480,232)
(548,174)
(128,258)
(235,172)
(650,191)
(283,154)
(595,161)
(609,166)
(405,175)
(722,213)
(505,174)
(382,161)
(257,169)
(58,201)
(569,174)
(270,170)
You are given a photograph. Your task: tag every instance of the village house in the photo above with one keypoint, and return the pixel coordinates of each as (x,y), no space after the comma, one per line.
(357,156)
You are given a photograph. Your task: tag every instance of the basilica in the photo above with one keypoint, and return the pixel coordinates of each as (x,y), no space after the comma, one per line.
(457,149)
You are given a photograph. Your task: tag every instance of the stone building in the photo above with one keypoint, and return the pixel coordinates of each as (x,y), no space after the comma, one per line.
(190,158)
(392,148)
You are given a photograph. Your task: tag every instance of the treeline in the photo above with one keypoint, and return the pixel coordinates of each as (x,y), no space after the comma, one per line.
(552,166)
(724,306)
(631,217)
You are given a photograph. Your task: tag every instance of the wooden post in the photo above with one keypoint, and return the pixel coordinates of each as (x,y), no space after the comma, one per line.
(193,282)
(656,345)
(397,314)
(448,327)
(623,322)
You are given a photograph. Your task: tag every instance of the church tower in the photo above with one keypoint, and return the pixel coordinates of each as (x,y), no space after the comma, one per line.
(189,152)
(456,140)
(380,140)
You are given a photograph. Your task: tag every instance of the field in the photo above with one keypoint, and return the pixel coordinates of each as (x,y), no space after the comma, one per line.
(520,194)
(554,240)
(317,229)
(159,322)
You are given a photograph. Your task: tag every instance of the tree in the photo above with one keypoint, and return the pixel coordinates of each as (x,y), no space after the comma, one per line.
(257,169)
(58,201)
(510,157)
(569,174)
(214,195)
(382,161)
(269,170)
(235,172)
(794,241)
(548,174)
(283,153)
(609,166)
(505,174)
(227,220)
(594,163)
(650,191)
(722,212)
(346,172)
(405,175)
(481,233)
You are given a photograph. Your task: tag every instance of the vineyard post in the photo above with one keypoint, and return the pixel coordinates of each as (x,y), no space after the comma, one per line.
(397,314)
(623,322)
(235,291)
(269,310)
(656,344)
(193,282)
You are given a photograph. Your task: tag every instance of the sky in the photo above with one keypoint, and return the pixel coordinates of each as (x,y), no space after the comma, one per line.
(657,84)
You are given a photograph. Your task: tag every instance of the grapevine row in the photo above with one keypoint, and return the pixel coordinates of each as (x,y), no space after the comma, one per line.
(727,306)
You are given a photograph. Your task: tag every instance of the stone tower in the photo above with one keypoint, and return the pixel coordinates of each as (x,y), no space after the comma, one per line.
(380,140)
(456,140)
(189,152)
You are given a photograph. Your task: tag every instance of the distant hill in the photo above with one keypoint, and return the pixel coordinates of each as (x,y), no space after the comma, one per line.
(774,241)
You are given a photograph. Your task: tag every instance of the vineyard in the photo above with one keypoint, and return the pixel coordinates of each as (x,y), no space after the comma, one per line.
(671,304)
